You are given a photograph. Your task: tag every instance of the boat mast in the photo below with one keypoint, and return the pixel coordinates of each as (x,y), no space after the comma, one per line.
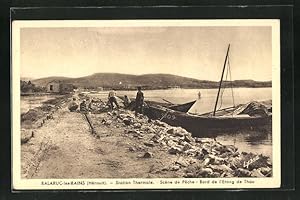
(221,81)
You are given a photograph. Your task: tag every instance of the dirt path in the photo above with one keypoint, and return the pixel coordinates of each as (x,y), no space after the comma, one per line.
(127,146)
(73,152)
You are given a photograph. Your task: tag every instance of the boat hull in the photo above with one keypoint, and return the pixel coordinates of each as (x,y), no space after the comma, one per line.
(203,125)
(180,107)
(183,107)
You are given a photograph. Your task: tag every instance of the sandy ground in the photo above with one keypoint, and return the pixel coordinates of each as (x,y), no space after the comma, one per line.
(124,146)
(65,148)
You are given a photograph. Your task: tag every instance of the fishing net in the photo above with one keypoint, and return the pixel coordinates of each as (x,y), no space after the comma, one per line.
(253,108)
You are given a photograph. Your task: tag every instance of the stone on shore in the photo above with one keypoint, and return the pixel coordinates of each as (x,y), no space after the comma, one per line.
(148,155)
(189,138)
(266,171)
(127,121)
(221,168)
(181,161)
(149,144)
(204,173)
(257,173)
(196,157)
(137,125)
(108,122)
(133,149)
(160,123)
(240,172)
(175,150)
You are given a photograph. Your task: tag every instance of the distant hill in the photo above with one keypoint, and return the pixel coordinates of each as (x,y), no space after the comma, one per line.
(147,81)
(44,81)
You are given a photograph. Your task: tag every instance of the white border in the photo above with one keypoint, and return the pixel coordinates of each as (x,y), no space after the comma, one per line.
(35,184)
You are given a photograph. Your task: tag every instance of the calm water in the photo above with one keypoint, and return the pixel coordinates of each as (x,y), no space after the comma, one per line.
(30,102)
(208,97)
(248,141)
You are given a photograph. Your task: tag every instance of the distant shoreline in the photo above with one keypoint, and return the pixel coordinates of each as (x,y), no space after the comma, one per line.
(41,94)
(181,88)
(107,81)
(131,89)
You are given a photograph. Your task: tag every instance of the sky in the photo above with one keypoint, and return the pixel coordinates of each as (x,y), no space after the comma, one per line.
(195,52)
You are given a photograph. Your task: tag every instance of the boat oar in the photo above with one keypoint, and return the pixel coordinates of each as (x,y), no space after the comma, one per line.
(217,110)
(168,101)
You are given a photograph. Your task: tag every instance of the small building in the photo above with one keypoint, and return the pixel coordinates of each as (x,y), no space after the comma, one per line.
(53,87)
(59,87)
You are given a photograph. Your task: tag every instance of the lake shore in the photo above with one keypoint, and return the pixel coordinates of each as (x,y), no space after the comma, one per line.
(35,117)
(125,146)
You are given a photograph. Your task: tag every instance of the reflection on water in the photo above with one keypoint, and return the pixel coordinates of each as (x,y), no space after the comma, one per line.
(256,141)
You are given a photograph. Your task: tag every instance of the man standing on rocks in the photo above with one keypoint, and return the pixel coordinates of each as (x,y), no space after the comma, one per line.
(139,101)
(112,99)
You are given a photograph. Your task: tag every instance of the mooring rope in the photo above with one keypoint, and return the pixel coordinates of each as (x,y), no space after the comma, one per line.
(223,89)
(229,67)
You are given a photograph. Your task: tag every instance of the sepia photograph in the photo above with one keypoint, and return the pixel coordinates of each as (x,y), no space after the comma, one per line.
(146,104)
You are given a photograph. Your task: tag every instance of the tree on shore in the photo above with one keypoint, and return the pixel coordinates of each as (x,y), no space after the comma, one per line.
(30,87)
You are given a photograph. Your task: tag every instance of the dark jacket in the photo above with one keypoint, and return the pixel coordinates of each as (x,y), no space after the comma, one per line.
(139,98)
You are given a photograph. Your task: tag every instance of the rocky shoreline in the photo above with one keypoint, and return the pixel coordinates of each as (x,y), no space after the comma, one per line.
(36,117)
(177,151)
(195,157)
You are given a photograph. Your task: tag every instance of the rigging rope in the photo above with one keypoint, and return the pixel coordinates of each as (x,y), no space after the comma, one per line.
(231,83)
(223,89)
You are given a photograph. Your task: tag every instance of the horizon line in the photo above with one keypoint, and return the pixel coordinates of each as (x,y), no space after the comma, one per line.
(43,77)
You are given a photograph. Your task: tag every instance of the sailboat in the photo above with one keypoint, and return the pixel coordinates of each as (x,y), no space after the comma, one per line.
(251,115)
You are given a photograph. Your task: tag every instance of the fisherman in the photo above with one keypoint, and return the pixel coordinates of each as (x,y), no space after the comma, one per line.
(139,101)
(199,95)
(126,101)
(83,106)
(73,105)
(112,99)
(90,105)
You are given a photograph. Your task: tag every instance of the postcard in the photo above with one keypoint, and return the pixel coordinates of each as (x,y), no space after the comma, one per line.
(145,104)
